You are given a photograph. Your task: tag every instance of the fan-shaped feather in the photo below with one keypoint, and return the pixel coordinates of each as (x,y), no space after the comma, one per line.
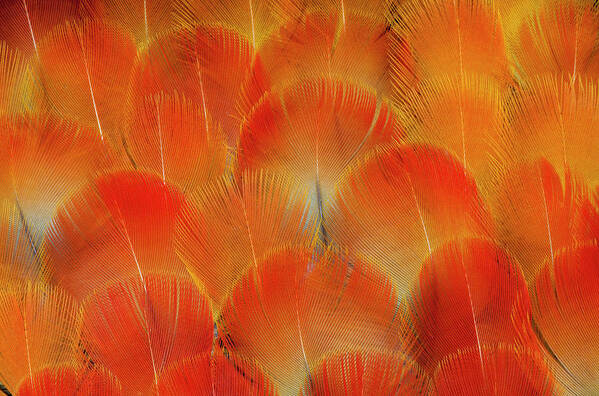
(71,380)
(44,160)
(453,37)
(424,198)
(362,373)
(39,327)
(566,312)
(560,38)
(494,370)
(537,215)
(120,225)
(208,65)
(463,116)
(232,224)
(552,118)
(172,137)
(137,327)
(85,68)
(313,131)
(214,374)
(348,47)
(26,22)
(295,306)
(470,293)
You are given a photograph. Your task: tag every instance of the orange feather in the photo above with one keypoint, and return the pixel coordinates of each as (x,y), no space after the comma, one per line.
(566,312)
(214,374)
(235,223)
(537,214)
(360,373)
(295,307)
(456,38)
(85,69)
(207,65)
(39,328)
(470,293)
(551,117)
(423,197)
(137,327)
(61,380)
(314,130)
(27,22)
(120,225)
(560,38)
(44,161)
(494,370)
(172,137)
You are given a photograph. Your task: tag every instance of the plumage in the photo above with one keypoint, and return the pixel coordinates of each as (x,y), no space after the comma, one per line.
(314,130)
(72,380)
(122,224)
(494,370)
(470,293)
(539,213)
(367,373)
(85,68)
(236,223)
(453,37)
(206,64)
(138,326)
(560,38)
(19,84)
(44,160)
(565,311)
(424,198)
(552,117)
(39,328)
(295,307)
(299,197)
(173,138)
(206,374)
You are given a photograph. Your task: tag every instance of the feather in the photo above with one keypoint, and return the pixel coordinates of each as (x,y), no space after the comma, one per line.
(348,47)
(507,371)
(313,131)
(120,225)
(253,19)
(45,160)
(214,374)
(19,85)
(20,258)
(294,307)
(207,65)
(171,137)
(457,38)
(26,22)
(235,223)
(560,38)
(137,327)
(85,69)
(360,373)
(550,117)
(424,198)
(537,214)
(39,327)
(565,306)
(71,380)
(470,293)
(145,19)
(461,115)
